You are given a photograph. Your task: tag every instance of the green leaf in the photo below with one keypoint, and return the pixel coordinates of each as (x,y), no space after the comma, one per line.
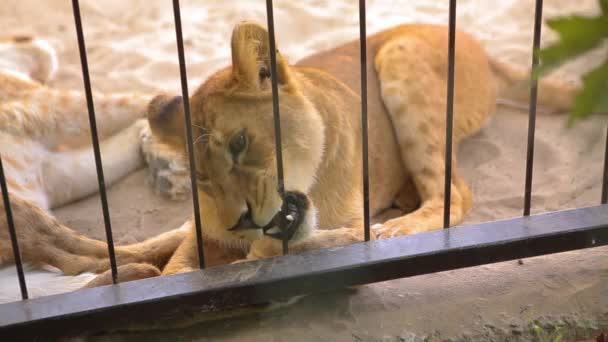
(593,97)
(541,334)
(577,35)
(604,5)
(559,334)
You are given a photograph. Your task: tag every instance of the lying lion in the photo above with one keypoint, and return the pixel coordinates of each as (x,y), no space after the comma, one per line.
(47,163)
(321,128)
(235,154)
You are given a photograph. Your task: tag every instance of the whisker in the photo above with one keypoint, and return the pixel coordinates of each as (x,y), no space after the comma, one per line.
(201,138)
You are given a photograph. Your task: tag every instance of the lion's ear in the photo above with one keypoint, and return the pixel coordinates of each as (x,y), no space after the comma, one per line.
(251,57)
(166,118)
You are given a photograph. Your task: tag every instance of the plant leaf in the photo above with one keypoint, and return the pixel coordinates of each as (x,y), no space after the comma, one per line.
(593,97)
(577,35)
(604,5)
(559,334)
(541,334)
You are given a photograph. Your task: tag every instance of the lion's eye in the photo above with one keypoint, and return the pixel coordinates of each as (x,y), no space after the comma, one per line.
(238,144)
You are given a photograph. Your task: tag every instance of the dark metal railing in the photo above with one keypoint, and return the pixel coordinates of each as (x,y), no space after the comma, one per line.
(188,122)
(13,233)
(275,108)
(449,121)
(356,264)
(183,295)
(93,123)
(364,143)
(605,178)
(538,22)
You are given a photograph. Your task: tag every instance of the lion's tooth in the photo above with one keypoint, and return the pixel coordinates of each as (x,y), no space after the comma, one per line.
(289,218)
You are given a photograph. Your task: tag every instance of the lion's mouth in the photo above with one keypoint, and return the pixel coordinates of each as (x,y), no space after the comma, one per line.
(285,223)
(246,222)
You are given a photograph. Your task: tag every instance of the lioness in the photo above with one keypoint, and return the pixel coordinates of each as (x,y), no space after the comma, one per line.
(43,135)
(321,130)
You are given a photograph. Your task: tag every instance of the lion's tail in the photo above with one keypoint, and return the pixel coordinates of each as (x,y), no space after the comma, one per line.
(513,89)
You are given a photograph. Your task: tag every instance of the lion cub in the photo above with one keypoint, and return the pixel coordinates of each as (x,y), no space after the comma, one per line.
(321,129)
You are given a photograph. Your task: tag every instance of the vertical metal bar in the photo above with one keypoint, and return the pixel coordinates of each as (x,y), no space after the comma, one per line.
(12,232)
(538,17)
(363,42)
(91,106)
(275,106)
(190,144)
(605,180)
(449,116)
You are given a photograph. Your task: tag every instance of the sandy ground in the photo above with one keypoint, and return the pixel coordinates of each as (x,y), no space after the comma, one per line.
(131,46)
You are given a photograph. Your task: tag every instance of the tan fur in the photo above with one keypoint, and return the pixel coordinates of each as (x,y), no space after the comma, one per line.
(43,133)
(321,130)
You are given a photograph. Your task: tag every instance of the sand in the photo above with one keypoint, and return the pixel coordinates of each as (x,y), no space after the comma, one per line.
(131,46)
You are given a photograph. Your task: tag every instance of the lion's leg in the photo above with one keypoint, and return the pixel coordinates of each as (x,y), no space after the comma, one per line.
(59,118)
(51,116)
(43,240)
(185,258)
(160,249)
(72,174)
(429,215)
(414,95)
(74,253)
(126,273)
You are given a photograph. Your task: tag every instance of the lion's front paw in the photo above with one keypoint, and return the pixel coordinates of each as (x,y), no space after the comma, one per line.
(265,247)
(395,227)
(167,169)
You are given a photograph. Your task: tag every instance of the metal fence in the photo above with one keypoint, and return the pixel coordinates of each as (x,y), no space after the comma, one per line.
(361,263)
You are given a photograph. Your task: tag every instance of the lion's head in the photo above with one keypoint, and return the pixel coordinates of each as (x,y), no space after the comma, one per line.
(234,140)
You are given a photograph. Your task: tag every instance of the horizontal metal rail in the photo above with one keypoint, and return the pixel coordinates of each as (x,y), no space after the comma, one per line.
(314,271)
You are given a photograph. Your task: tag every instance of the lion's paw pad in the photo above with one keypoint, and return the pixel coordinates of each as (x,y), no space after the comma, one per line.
(167,170)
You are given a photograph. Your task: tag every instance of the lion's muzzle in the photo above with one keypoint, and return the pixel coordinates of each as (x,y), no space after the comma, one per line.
(285,223)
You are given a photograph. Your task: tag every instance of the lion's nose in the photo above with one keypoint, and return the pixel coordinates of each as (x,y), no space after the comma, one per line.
(245,221)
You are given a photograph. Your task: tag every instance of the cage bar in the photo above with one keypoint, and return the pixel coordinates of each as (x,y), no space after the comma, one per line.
(188,123)
(449,122)
(275,108)
(605,179)
(364,146)
(538,17)
(94,137)
(12,232)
